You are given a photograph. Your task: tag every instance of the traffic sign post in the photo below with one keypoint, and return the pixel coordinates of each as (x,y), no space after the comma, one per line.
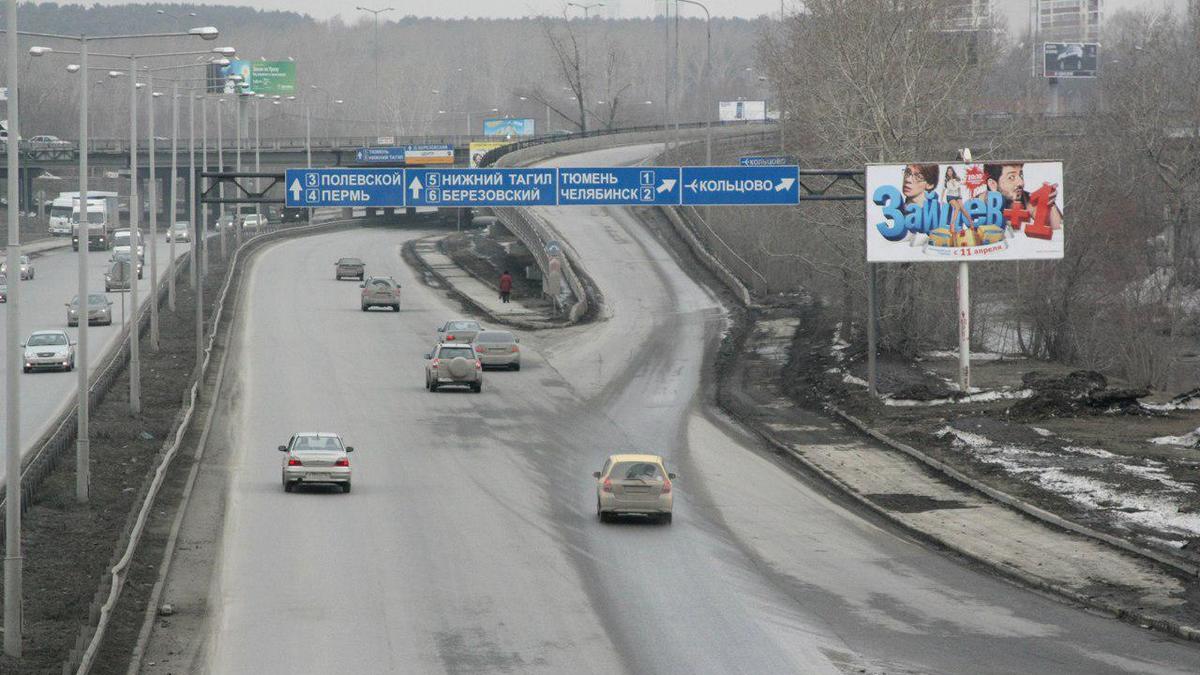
(481,187)
(344,188)
(650,186)
(740,185)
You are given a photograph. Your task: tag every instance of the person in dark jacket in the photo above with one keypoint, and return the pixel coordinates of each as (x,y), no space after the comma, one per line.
(506,282)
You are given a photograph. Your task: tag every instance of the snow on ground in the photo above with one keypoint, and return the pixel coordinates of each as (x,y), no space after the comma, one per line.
(979,397)
(850,379)
(975,356)
(1094,485)
(1190,404)
(1188,440)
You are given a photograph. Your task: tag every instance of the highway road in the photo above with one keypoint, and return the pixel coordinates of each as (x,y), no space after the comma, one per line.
(471,544)
(43,306)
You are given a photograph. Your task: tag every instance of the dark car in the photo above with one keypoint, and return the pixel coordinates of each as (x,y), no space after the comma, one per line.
(293,215)
(350,268)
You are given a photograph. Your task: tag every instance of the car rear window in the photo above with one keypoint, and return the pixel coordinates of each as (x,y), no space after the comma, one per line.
(462,325)
(494,336)
(350,261)
(316,444)
(456,352)
(381,283)
(636,470)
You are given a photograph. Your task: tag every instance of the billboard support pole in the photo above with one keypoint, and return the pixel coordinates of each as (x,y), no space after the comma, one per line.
(872,330)
(964,327)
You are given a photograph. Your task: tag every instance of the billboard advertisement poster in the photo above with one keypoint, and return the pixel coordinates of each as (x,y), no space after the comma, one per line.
(218,76)
(480,148)
(508,127)
(742,111)
(1002,210)
(1071,59)
(273,77)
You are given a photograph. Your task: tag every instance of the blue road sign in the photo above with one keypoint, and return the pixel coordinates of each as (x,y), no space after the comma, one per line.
(647,185)
(481,187)
(737,185)
(774,160)
(389,155)
(344,187)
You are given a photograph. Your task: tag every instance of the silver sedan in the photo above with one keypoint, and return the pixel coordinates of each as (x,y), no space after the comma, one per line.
(458,330)
(27,269)
(498,349)
(99,310)
(49,349)
(316,457)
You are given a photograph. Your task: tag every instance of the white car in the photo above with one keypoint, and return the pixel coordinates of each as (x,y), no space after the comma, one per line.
(49,349)
(316,457)
(120,241)
(634,484)
(252,221)
(179,232)
(50,141)
(27,269)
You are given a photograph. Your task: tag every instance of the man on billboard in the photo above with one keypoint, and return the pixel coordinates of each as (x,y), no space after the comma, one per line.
(1009,181)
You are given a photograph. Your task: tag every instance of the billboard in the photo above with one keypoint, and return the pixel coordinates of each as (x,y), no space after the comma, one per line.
(742,111)
(508,127)
(480,148)
(1002,210)
(1071,59)
(269,78)
(429,154)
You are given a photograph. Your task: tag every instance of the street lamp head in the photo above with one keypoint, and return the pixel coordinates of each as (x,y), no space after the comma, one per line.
(157,94)
(274,102)
(338,101)
(260,95)
(73,68)
(276,97)
(220,62)
(224,51)
(115,73)
(139,85)
(40,51)
(291,98)
(235,78)
(205,32)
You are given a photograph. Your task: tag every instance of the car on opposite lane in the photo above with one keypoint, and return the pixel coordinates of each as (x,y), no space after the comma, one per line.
(349,268)
(253,221)
(634,484)
(27,268)
(99,310)
(3,288)
(498,349)
(452,364)
(458,330)
(380,292)
(49,349)
(316,457)
(178,232)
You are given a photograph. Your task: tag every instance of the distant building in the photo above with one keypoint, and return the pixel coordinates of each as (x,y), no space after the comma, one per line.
(968,15)
(1067,20)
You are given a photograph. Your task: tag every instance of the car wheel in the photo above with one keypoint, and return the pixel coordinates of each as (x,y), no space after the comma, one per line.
(477,387)
(288,486)
(361,277)
(72,366)
(364,308)
(26,369)
(664,518)
(515,366)
(433,386)
(396,307)
(72,324)
(346,487)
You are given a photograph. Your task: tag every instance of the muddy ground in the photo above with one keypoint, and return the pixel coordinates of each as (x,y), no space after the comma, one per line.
(69,547)
(1084,454)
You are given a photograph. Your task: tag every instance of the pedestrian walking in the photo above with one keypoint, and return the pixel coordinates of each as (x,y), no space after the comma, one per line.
(506,282)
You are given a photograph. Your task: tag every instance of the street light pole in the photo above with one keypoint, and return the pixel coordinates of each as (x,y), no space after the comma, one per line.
(378,107)
(707,78)
(237,226)
(257,166)
(198,233)
(13,629)
(221,186)
(174,195)
(152,151)
(135,212)
(203,232)
(82,440)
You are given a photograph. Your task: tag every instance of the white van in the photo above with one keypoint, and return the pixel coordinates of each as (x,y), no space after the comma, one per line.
(67,203)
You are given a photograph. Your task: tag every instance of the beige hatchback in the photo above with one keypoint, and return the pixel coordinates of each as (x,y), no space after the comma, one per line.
(634,484)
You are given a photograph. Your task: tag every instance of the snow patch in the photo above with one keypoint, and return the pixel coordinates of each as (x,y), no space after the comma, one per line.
(980,397)
(975,356)
(1042,432)
(850,379)
(1188,440)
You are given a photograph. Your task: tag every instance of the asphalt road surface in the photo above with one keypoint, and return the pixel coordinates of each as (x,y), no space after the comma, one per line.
(471,543)
(43,306)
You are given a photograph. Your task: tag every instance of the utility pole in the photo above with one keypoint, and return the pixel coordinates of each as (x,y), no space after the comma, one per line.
(13,629)
(583,66)
(82,433)
(153,248)
(135,212)
(174,196)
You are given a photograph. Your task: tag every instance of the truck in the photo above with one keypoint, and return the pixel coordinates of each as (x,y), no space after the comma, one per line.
(101,218)
(61,208)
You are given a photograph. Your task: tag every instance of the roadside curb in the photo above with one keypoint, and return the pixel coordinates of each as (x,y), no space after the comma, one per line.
(40,246)
(413,258)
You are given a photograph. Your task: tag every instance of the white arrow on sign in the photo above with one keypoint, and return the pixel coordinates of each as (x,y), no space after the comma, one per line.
(415,186)
(668,184)
(785,184)
(295,189)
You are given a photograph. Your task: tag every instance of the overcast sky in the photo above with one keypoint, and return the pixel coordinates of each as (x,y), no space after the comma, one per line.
(1014,11)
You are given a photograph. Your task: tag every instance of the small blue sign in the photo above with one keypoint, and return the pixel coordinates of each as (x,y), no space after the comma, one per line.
(481,187)
(374,155)
(632,185)
(508,127)
(344,187)
(736,185)
(776,160)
